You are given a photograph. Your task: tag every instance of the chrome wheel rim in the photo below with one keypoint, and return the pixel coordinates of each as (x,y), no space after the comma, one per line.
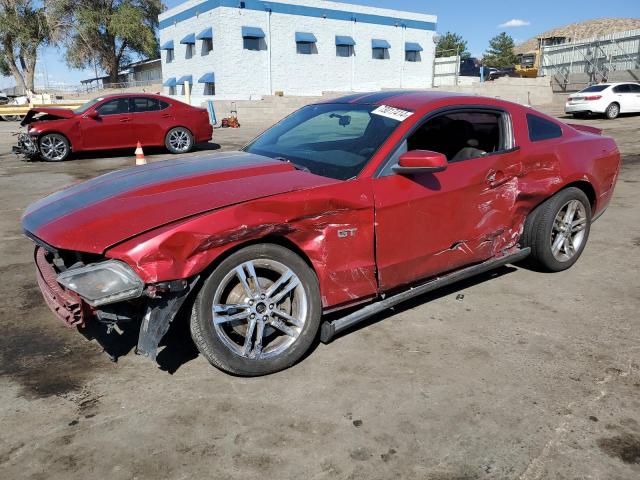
(259,309)
(568,232)
(180,140)
(613,110)
(52,147)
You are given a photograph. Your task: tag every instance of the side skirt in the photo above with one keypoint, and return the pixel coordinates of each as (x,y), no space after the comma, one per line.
(329,329)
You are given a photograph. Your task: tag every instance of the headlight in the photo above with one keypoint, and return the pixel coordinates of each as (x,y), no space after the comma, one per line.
(101,283)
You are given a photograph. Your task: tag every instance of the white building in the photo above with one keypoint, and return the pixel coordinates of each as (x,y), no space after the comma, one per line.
(234,49)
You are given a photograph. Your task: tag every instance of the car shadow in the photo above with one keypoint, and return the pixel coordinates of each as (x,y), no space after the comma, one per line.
(126,152)
(594,116)
(177,347)
(423,299)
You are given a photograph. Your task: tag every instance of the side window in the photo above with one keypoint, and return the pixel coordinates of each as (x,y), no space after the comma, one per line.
(207,46)
(164,105)
(412,56)
(542,129)
(460,135)
(634,88)
(144,104)
(344,50)
(304,48)
(250,43)
(380,53)
(114,107)
(622,89)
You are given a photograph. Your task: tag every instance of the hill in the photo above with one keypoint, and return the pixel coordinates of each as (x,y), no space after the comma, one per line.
(583,30)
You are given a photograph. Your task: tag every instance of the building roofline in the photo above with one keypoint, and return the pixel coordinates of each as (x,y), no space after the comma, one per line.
(331,10)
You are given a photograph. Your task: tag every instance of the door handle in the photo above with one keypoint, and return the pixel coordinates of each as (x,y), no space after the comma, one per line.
(123,120)
(494,178)
(166,115)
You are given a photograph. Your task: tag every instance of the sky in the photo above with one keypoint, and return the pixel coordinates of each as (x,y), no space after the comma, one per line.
(476,20)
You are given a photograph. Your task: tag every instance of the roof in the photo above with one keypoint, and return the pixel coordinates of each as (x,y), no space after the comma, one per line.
(410,99)
(582,30)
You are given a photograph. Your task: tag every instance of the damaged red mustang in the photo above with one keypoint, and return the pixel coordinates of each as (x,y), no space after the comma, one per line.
(358,203)
(112,122)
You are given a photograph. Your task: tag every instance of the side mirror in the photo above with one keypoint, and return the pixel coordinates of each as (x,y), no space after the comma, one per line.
(421,161)
(93,114)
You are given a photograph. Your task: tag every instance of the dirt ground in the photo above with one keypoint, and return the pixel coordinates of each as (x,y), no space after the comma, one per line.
(514,374)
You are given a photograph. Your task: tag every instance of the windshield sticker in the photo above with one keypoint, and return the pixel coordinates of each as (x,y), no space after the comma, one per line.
(392,112)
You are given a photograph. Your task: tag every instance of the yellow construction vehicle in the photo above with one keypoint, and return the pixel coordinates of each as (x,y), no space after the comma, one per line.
(529,63)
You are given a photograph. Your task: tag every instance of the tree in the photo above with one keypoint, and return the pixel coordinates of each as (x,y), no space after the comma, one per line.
(105,33)
(23,28)
(449,44)
(500,53)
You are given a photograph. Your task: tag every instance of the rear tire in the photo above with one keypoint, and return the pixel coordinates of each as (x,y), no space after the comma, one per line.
(612,111)
(54,147)
(258,312)
(179,140)
(557,230)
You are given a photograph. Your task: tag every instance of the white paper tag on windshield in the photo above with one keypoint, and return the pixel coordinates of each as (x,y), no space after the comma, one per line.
(392,112)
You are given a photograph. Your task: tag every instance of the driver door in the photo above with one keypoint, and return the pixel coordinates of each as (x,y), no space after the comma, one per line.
(429,223)
(112,127)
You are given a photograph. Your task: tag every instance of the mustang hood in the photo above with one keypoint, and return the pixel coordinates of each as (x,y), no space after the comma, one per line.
(50,113)
(94,215)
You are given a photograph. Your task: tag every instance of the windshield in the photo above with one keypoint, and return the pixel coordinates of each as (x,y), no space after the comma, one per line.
(594,88)
(87,105)
(332,140)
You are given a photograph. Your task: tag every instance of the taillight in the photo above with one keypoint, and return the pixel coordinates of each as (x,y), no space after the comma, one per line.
(593,97)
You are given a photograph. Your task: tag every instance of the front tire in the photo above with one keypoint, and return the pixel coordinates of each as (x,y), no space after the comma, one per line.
(258,312)
(179,140)
(54,147)
(612,111)
(557,230)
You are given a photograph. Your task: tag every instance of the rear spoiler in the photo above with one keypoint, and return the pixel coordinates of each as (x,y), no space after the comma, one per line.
(586,128)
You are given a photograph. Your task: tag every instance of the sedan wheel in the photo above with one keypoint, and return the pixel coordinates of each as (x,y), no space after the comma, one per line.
(179,140)
(54,147)
(258,312)
(612,111)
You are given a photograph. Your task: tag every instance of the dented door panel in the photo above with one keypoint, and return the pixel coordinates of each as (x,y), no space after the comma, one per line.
(435,222)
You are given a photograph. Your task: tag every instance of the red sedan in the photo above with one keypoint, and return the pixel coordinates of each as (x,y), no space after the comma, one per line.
(112,122)
(358,203)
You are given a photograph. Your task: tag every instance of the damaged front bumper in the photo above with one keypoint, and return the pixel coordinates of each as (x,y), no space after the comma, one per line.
(26,145)
(154,310)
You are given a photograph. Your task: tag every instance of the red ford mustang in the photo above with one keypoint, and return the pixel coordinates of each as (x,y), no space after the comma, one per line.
(112,122)
(362,202)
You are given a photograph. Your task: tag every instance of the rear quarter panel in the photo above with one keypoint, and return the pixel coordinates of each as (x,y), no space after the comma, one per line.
(550,165)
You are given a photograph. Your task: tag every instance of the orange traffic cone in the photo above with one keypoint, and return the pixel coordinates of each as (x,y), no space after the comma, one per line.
(140,160)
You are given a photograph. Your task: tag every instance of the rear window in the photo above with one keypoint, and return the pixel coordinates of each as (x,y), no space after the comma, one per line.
(594,88)
(622,89)
(542,129)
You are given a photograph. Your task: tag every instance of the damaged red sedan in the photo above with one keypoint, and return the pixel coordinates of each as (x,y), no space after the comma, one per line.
(358,203)
(113,122)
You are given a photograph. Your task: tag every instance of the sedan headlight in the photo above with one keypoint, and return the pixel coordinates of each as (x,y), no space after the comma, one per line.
(102,283)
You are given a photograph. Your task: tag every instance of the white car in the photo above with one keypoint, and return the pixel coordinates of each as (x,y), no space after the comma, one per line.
(610,99)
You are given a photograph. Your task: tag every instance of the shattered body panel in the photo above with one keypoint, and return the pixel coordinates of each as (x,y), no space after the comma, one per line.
(363,237)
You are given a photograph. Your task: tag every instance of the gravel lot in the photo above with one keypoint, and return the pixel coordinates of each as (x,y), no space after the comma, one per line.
(513,374)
